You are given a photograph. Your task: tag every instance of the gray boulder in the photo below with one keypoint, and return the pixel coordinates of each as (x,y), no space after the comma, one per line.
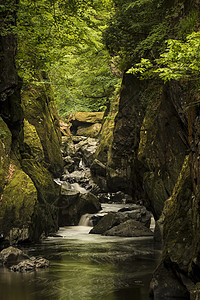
(107,222)
(140,214)
(71,212)
(129,228)
(11,256)
(18,261)
(136,213)
(31,264)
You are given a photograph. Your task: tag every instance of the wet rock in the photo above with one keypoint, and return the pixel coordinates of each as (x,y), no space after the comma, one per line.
(80,118)
(78,176)
(70,193)
(107,222)
(71,211)
(76,139)
(67,147)
(89,130)
(129,228)
(121,197)
(12,255)
(98,168)
(118,197)
(64,128)
(76,187)
(68,160)
(87,148)
(95,219)
(166,285)
(31,264)
(104,197)
(79,179)
(19,235)
(141,215)
(75,149)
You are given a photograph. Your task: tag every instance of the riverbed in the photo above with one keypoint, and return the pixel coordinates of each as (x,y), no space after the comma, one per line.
(85,267)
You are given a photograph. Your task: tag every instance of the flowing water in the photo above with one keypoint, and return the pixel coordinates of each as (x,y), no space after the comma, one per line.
(85,267)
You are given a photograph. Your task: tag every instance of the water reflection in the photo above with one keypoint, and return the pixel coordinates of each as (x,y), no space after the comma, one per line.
(85,267)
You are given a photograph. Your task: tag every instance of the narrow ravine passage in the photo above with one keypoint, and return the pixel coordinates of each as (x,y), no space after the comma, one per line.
(85,267)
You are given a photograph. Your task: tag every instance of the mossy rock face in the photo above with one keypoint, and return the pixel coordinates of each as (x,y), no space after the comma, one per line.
(46,218)
(178,225)
(43,180)
(103,150)
(163,145)
(39,111)
(90,131)
(32,141)
(123,151)
(18,204)
(86,117)
(180,233)
(106,135)
(5,149)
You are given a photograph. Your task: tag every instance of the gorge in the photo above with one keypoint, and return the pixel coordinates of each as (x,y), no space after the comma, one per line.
(142,150)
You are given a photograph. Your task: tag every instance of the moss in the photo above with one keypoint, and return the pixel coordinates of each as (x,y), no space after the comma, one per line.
(90,131)
(31,139)
(106,135)
(45,219)
(87,117)
(5,149)
(147,132)
(162,149)
(18,201)
(43,180)
(155,190)
(178,231)
(39,112)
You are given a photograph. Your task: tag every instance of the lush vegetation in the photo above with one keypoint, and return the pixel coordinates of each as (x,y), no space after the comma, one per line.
(181,60)
(60,42)
(139,28)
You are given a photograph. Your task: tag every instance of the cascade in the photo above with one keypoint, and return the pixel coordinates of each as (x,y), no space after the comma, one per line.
(85,220)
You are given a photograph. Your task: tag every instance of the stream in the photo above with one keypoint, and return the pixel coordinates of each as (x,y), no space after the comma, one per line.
(85,266)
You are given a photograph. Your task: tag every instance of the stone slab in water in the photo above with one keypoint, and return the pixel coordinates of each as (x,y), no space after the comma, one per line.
(12,255)
(18,261)
(31,264)
(130,228)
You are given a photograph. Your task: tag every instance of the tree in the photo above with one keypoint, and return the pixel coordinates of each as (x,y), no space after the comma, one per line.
(180,61)
(63,39)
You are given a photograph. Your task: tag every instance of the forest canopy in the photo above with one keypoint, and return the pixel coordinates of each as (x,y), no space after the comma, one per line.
(70,44)
(60,42)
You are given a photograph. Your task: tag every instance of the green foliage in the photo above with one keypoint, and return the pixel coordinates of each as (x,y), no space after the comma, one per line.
(85,82)
(181,60)
(63,39)
(188,24)
(139,28)
(134,31)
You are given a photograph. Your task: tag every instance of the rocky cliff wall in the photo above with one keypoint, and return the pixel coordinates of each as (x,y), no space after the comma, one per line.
(149,141)
(154,156)
(29,155)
